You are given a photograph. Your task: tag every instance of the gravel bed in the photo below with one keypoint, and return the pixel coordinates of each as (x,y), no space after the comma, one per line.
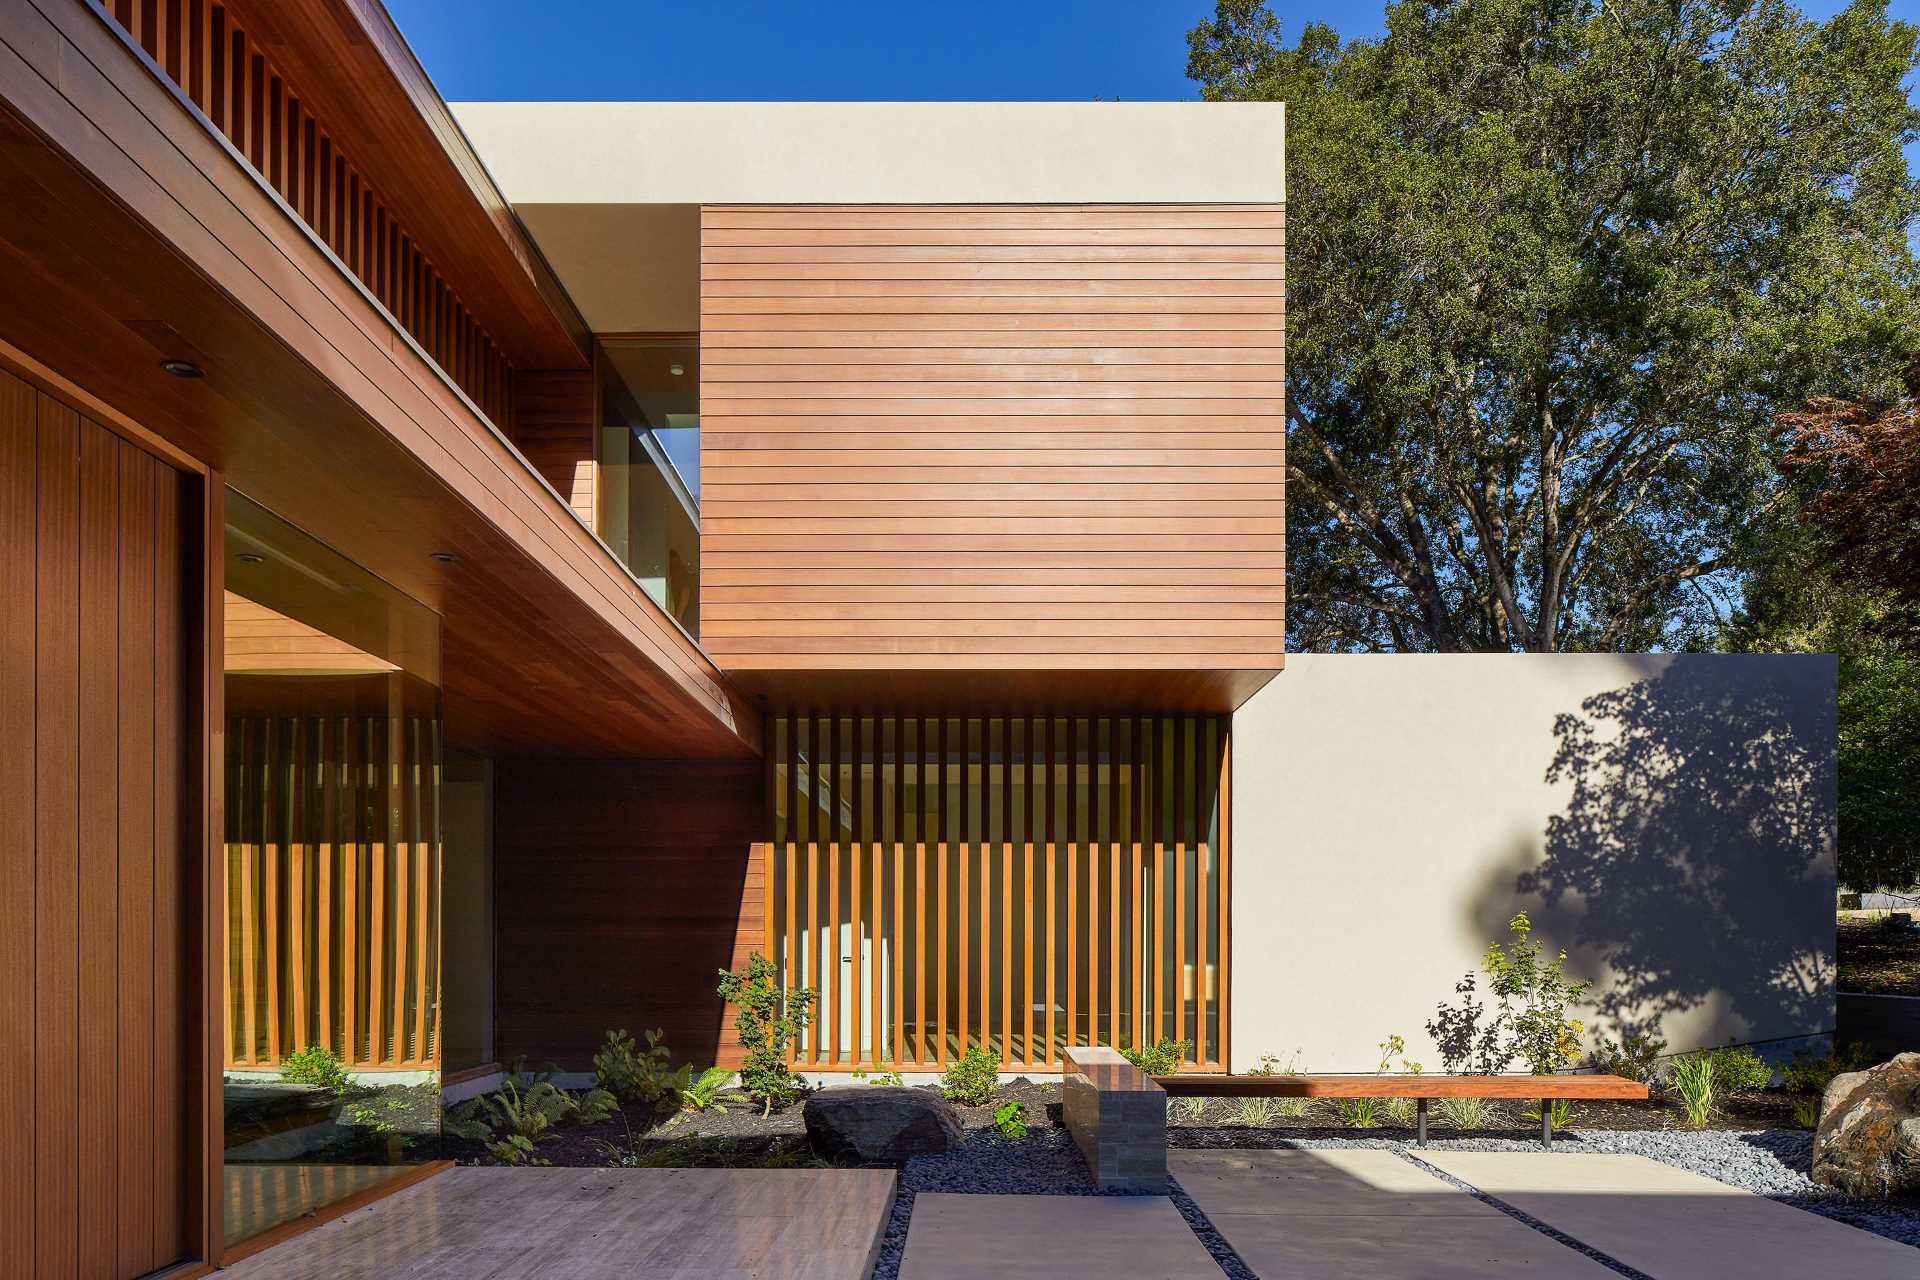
(1771,1163)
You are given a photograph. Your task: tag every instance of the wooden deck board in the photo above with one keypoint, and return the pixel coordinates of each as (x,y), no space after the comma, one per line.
(668,1224)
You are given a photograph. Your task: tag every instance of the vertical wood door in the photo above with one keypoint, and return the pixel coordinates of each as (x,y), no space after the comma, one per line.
(93,848)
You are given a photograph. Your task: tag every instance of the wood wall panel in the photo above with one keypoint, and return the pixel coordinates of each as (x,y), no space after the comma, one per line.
(1046,435)
(621,889)
(554,422)
(93,847)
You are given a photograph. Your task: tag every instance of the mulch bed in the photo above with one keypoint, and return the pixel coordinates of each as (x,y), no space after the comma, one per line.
(742,1137)
(1874,960)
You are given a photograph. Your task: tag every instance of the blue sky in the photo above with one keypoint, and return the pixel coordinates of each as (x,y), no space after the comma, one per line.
(1071,50)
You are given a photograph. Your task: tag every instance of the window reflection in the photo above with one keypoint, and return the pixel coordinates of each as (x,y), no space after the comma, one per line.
(333,865)
(650,467)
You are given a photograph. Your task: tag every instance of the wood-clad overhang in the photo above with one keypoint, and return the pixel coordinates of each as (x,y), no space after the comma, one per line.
(356,71)
(130,233)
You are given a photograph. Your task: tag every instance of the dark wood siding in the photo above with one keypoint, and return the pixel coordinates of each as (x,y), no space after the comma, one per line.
(93,847)
(553,427)
(1027,437)
(621,889)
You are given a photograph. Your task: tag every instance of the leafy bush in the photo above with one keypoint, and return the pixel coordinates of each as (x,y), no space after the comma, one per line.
(1162,1059)
(1632,1058)
(1468,1114)
(703,1092)
(1008,1120)
(1360,1113)
(1530,1022)
(1693,1080)
(1808,1073)
(1738,1068)
(642,1079)
(317,1065)
(971,1078)
(769,1024)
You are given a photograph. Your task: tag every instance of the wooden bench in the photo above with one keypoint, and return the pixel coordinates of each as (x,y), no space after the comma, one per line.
(1421,1088)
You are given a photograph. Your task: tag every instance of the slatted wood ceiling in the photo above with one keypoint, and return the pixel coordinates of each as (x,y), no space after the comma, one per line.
(1021,437)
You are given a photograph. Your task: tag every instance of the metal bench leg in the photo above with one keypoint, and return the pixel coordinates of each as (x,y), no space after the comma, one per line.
(1546,1124)
(1420,1114)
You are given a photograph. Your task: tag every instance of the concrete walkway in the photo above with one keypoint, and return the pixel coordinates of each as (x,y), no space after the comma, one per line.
(968,1237)
(1671,1224)
(1365,1214)
(598,1224)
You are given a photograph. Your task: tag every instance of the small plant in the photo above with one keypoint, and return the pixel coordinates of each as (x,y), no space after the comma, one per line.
(515,1150)
(1531,1021)
(1810,1073)
(1256,1112)
(970,1080)
(1737,1068)
(1190,1108)
(1693,1081)
(642,1079)
(1806,1112)
(703,1092)
(1631,1058)
(1161,1059)
(1360,1113)
(1468,1114)
(769,1025)
(1008,1120)
(1399,1111)
(1292,1108)
(316,1065)
(885,1079)
(1561,1110)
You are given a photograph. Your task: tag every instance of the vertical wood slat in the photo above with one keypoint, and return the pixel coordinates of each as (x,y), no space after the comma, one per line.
(965,962)
(1179,881)
(1073,897)
(1226,895)
(1006,892)
(19,695)
(139,474)
(327,853)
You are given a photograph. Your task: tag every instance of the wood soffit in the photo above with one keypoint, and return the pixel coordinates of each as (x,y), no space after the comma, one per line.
(356,72)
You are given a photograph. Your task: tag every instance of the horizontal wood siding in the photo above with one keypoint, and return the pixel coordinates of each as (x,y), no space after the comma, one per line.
(553,427)
(94,870)
(621,889)
(1038,435)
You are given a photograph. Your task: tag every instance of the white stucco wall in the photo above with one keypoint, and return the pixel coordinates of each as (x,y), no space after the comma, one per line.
(1391,813)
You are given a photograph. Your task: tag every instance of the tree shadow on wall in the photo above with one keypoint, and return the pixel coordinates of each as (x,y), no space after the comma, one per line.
(1695,855)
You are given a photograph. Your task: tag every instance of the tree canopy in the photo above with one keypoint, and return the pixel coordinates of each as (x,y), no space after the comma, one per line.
(1554,269)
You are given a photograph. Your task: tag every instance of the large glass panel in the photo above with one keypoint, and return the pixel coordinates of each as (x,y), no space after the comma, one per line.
(333,873)
(650,467)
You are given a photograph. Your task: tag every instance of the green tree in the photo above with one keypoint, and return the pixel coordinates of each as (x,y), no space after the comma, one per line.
(1554,267)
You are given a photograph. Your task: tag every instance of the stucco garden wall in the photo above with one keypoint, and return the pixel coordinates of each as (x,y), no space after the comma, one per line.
(1669,820)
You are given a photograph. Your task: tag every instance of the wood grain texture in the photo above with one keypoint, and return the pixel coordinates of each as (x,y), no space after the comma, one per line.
(1043,437)
(1404,1086)
(555,419)
(92,845)
(621,889)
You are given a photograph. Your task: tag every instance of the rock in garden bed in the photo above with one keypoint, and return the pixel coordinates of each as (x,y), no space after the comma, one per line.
(1868,1143)
(880,1124)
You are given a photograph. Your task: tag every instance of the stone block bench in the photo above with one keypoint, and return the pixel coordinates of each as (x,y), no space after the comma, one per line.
(1117,1115)
(1421,1088)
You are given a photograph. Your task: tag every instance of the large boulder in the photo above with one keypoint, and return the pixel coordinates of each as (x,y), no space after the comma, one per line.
(1868,1142)
(879,1124)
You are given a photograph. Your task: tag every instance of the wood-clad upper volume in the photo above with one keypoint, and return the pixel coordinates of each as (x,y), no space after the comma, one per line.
(993,437)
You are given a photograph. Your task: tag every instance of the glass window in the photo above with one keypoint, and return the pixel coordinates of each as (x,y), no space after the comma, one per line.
(650,467)
(333,865)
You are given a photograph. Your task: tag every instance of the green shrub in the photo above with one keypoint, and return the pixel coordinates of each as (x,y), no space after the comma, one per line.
(1162,1059)
(703,1092)
(1561,1109)
(1737,1068)
(1810,1073)
(769,1024)
(1632,1058)
(1360,1113)
(1292,1108)
(1008,1119)
(971,1078)
(642,1079)
(1400,1111)
(316,1065)
(1530,1022)
(1468,1114)
(1693,1081)
(885,1079)
(1190,1108)
(1806,1112)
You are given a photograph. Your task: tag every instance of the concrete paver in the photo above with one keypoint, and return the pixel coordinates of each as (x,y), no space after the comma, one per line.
(966,1237)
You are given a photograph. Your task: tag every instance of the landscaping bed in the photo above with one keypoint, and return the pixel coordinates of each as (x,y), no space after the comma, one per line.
(1876,960)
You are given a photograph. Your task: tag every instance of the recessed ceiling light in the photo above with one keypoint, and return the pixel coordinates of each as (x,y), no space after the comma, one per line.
(444,557)
(676,368)
(183,368)
(248,557)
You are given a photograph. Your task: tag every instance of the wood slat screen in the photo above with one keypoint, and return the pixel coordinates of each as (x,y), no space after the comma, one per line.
(231,78)
(1010,436)
(1023,883)
(333,889)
